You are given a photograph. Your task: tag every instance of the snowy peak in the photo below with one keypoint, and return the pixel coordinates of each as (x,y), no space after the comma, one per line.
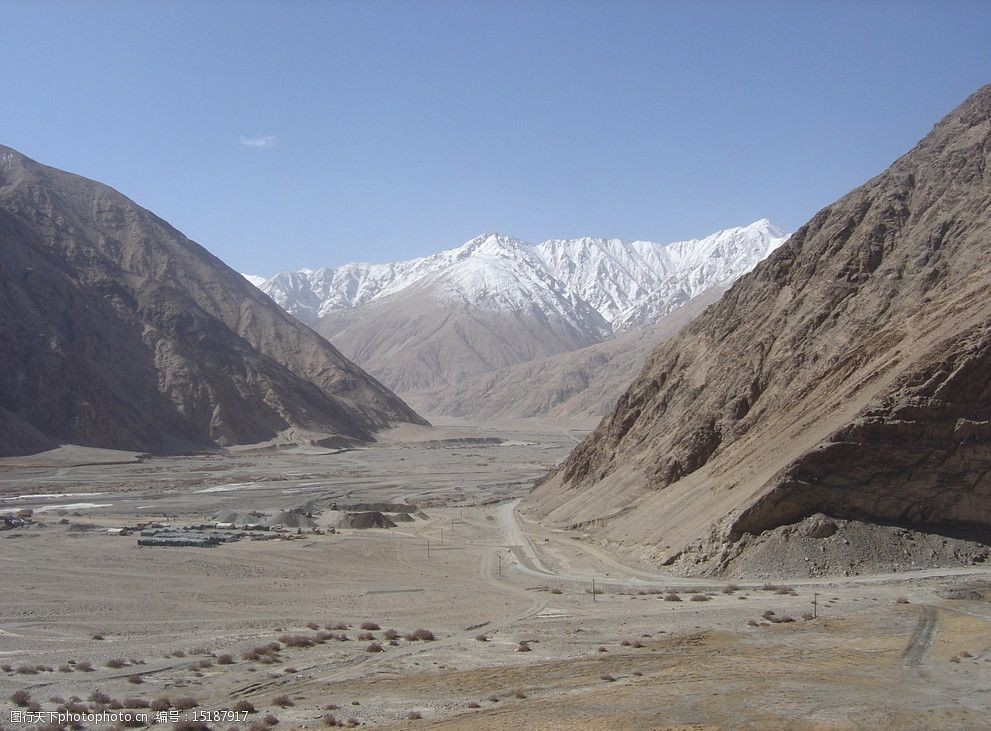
(593,283)
(637,282)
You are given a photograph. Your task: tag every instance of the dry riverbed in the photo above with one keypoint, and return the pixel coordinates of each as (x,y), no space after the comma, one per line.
(474,619)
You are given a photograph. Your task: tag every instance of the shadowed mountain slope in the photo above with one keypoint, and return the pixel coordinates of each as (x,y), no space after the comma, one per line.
(118,331)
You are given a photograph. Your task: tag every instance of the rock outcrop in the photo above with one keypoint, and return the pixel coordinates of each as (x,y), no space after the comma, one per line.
(849,375)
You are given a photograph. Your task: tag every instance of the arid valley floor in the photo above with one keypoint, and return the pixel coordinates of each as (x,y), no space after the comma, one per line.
(520,638)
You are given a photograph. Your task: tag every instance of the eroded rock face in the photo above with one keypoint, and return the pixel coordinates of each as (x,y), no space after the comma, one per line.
(848,375)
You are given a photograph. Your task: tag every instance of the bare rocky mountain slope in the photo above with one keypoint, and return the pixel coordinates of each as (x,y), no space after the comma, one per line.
(849,375)
(580,384)
(118,331)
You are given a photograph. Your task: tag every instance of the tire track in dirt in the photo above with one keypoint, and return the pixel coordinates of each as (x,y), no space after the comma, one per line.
(922,638)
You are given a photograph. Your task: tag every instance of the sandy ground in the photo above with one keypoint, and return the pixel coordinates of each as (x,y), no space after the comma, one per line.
(887,651)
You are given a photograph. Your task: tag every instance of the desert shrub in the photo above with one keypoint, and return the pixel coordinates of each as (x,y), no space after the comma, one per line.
(135,703)
(84,666)
(332,707)
(225,659)
(135,679)
(296,641)
(74,707)
(555,590)
(6,668)
(375,647)
(414,716)
(753,623)
(767,614)
(365,636)
(600,648)
(313,625)
(954,658)
(283,701)
(178,653)
(730,588)
(699,598)
(494,698)
(391,634)
(482,638)
(472,704)
(185,703)
(161,704)
(807,616)
(523,647)
(607,678)
(421,634)
(205,663)
(519,693)
(625,643)
(338,626)
(901,600)
(784,590)
(191,726)
(20,698)
(329,719)
(964,653)
(637,673)
(97,637)
(672,597)
(290,671)
(370,625)
(243,706)
(26,670)
(98,696)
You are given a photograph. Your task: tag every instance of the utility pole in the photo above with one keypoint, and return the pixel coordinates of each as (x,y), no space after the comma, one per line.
(593,589)
(815,605)
(499,556)
(428,548)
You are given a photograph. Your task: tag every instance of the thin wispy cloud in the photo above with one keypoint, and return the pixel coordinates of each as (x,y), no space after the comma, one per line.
(260,141)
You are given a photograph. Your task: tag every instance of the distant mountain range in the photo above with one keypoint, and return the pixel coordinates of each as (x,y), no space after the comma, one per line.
(497,301)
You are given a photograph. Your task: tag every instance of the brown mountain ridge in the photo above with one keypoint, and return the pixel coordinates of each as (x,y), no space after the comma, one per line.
(848,375)
(118,331)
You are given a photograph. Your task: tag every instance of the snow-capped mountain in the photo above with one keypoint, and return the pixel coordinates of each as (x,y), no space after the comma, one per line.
(593,283)
(254,279)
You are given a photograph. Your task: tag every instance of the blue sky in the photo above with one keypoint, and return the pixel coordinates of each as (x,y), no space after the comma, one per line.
(387,130)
